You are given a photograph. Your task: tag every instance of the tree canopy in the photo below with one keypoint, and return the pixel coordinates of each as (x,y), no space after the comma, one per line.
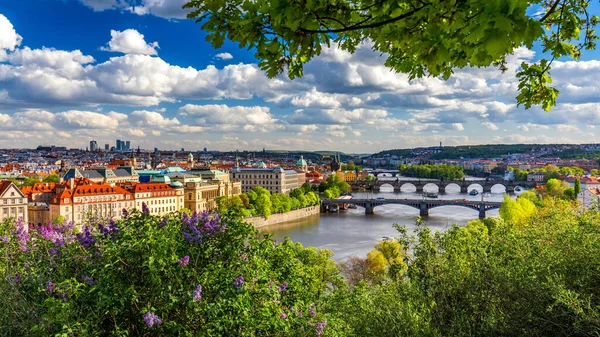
(418,37)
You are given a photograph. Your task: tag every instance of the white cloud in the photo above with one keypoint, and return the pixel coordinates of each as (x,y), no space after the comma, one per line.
(224,56)
(130,41)
(100,5)
(490,126)
(9,39)
(458,126)
(234,115)
(152,119)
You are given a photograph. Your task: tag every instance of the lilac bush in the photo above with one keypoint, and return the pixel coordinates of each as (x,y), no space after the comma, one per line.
(175,275)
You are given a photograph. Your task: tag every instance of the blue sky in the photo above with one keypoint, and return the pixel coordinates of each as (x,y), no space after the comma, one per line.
(76,70)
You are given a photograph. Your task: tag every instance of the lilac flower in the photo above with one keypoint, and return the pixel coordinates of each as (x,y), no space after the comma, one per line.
(197,293)
(5,239)
(50,287)
(282,315)
(312,311)
(145,208)
(199,225)
(57,234)
(239,282)
(125,213)
(108,230)
(283,287)
(151,319)
(88,280)
(54,251)
(163,223)
(86,239)
(184,261)
(22,235)
(16,279)
(27,265)
(319,327)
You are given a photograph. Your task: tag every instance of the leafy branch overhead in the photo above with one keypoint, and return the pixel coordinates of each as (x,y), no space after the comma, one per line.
(418,37)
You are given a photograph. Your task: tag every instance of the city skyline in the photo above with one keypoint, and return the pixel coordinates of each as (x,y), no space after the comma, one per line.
(104,70)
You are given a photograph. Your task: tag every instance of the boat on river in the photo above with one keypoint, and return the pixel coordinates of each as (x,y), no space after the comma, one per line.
(431,195)
(333,208)
(473,192)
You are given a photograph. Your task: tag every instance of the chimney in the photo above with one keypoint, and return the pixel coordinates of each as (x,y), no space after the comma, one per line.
(71,183)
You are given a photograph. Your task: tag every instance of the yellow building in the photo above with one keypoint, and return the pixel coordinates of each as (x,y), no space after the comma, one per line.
(349,176)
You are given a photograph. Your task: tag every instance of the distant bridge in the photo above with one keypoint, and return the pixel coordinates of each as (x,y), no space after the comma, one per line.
(422,205)
(465,185)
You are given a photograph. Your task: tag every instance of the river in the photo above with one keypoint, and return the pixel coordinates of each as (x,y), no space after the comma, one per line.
(352,233)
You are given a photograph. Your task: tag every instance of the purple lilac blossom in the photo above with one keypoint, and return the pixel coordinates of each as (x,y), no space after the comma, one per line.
(163,223)
(199,225)
(16,279)
(86,239)
(184,261)
(239,282)
(145,208)
(88,280)
(283,287)
(50,287)
(312,311)
(151,319)
(282,315)
(108,230)
(22,235)
(54,251)
(197,293)
(125,213)
(319,327)
(27,265)
(5,239)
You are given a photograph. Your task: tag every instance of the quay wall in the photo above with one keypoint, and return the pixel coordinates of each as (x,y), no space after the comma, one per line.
(259,221)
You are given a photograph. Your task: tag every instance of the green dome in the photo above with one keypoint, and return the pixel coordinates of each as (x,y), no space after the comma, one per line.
(301,162)
(176,184)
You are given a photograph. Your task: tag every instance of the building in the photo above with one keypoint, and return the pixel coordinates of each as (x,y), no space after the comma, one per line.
(38,213)
(536,176)
(275,180)
(350,176)
(590,198)
(40,192)
(12,201)
(106,147)
(80,199)
(104,175)
(160,198)
(94,146)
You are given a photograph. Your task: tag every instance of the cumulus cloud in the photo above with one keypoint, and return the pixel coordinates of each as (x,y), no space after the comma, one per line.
(130,41)
(9,39)
(490,126)
(224,56)
(168,9)
(235,115)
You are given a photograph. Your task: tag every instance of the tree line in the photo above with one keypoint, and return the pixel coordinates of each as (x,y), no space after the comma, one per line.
(444,171)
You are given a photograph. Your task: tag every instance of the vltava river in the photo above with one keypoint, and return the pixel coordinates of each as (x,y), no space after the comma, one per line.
(352,233)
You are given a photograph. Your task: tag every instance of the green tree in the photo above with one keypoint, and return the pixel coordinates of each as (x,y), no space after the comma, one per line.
(52,178)
(516,211)
(421,38)
(577,187)
(30,181)
(594,172)
(264,205)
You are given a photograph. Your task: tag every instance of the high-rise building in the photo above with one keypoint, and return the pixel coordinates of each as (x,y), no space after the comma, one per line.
(106,147)
(93,146)
(119,148)
(128,145)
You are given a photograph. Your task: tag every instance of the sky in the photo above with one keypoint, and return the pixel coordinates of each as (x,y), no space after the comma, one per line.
(72,71)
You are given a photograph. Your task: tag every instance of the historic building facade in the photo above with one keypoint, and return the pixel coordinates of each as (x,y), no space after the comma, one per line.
(13,202)
(275,180)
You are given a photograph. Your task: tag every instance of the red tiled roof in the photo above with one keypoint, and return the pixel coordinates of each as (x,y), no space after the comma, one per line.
(146,187)
(4,185)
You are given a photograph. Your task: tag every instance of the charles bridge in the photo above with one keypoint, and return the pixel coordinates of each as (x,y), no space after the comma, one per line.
(464,185)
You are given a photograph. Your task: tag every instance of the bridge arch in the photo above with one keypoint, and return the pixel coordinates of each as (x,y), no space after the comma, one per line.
(476,186)
(454,188)
(431,187)
(494,188)
(386,187)
(408,187)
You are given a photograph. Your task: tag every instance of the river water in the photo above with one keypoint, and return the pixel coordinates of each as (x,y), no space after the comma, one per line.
(352,233)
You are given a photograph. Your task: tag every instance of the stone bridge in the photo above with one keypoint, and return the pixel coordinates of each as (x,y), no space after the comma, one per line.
(465,185)
(422,205)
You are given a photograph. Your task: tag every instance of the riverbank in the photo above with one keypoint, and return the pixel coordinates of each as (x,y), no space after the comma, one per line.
(274,219)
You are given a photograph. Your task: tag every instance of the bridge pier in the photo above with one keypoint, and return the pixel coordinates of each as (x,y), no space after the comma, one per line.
(510,189)
(419,189)
(487,189)
(423,210)
(464,189)
(482,211)
(368,208)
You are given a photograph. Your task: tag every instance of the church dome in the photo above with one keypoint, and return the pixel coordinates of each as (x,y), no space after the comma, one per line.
(301,162)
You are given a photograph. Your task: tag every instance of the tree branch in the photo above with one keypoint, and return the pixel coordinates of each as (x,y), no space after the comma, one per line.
(358,26)
(550,11)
